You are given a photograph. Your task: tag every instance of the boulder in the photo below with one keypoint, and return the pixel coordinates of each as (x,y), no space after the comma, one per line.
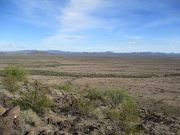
(11,123)
(2,110)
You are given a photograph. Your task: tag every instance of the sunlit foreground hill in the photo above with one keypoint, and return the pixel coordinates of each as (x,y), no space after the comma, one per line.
(56,95)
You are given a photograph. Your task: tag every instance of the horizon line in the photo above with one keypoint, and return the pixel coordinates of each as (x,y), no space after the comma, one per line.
(40,50)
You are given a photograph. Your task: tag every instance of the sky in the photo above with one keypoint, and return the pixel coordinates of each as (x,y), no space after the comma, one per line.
(90,25)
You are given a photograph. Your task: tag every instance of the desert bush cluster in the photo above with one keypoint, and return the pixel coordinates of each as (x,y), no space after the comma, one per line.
(119,107)
(34,96)
(64,109)
(35,99)
(12,77)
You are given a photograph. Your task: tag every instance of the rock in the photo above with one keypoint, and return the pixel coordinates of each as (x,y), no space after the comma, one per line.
(5,97)
(159,124)
(12,113)
(31,132)
(44,132)
(88,129)
(11,122)
(56,93)
(63,102)
(59,121)
(60,133)
(75,132)
(31,118)
(2,110)
(5,94)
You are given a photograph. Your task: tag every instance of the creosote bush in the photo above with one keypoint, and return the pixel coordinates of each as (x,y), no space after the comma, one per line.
(13,75)
(66,87)
(111,96)
(130,111)
(10,83)
(121,107)
(35,99)
(115,96)
(127,115)
(95,94)
(17,73)
(83,106)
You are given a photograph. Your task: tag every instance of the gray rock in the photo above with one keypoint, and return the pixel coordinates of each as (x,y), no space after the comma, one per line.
(11,122)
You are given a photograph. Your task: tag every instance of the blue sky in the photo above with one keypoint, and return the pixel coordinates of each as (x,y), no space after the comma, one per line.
(90,25)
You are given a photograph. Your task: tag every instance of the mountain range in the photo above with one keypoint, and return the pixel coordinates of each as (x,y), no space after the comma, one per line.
(69,53)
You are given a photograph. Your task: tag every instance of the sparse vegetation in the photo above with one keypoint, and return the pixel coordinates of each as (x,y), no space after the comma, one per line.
(89,101)
(83,106)
(34,100)
(115,96)
(130,111)
(95,94)
(17,73)
(66,87)
(89,75)
(10,83)
(13,75)
(31,118)
(110,96)
(160,107)
(127,115)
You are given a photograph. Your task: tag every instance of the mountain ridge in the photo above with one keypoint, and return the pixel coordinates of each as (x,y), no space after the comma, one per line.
(71,53)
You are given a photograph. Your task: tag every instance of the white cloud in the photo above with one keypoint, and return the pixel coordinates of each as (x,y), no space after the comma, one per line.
(11,46)
(62,38)
(38,12)
(78,15)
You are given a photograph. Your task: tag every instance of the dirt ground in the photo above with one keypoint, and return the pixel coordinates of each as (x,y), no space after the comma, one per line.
(161,88)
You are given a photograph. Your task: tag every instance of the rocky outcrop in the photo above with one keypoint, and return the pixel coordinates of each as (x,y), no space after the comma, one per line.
(63,120)
(159,124)
(11,122)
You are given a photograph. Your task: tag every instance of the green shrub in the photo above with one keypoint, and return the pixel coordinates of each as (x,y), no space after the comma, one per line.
(66,87)
(84,106)
(12,75)
(10,83)
(127,115)
(34,100)
(160,107)
(95,94)
(169,110)
(116,96)
(130,111)
(111,96)
(114,114)
(17,73)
